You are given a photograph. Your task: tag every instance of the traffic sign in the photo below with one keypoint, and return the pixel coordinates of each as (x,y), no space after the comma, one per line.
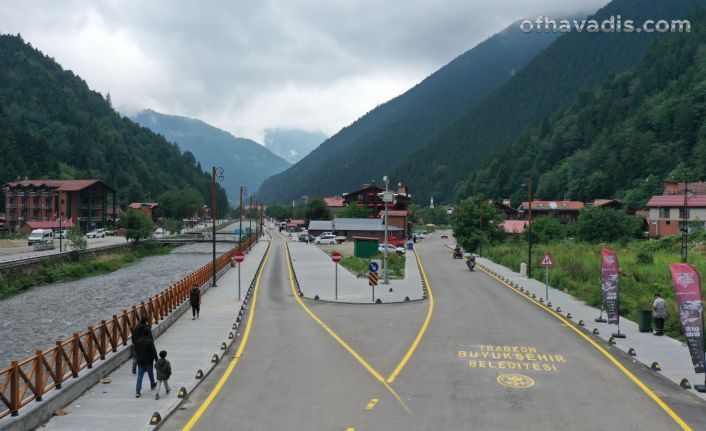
(336,257)
(239,256)
(373,267)
(373,279)
(547,260)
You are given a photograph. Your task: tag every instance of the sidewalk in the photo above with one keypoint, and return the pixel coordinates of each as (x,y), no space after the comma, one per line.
(672,355)
(315,272)
(190,345)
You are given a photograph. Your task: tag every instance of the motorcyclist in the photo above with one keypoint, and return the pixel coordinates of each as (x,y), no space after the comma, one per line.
(471,262)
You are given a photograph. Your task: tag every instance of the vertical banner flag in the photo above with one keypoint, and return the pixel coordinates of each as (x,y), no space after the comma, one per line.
(687,288)
(609,275)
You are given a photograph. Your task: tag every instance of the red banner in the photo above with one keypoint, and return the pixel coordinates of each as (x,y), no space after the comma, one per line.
(609,276)
(687,289)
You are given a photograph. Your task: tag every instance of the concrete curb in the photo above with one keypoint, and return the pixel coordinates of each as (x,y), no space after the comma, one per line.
(229,343)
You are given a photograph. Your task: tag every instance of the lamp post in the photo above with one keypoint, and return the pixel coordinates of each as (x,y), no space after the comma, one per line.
(250,220)
(685,225)
(529,228)
(216,175)
(58,211)
(240,221)
(386,198)
(482,234)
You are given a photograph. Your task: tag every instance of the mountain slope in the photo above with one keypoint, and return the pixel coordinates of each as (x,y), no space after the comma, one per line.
(574,63)
(245,162)
(369,147)
(643,122)
(292,145)
(53,126)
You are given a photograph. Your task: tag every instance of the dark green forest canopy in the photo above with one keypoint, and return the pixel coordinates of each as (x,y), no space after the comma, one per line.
(52,125)
(640,126)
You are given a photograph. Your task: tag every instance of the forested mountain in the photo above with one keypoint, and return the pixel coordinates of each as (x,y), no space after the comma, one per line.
(292,145)
(53,126)
(245,162)
(576,62)
(620,139)
(369,147)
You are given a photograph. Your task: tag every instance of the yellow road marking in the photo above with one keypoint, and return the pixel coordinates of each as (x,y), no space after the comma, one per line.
(195,418)
(371,404)
(350,429)
(605,353)
(335,336)
(414,345)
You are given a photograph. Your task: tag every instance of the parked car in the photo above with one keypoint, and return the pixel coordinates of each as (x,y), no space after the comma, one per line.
(304,237)
(40,236)
(159,231)
(325,238)
(396,242)
(96,233)
(63,234)
(391,249)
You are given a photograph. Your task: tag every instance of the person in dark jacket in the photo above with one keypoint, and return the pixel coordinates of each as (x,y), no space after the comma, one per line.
(164,370)
(144,323)
(195,300)
(146,354)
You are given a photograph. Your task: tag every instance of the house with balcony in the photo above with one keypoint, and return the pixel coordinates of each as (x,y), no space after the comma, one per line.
(149,208)
(666,213)
(565,211)
(86,203)
(370,196)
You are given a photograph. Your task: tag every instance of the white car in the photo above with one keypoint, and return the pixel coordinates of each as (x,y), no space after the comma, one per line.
(97,233)
(391,249)
(159,231)
(325,238)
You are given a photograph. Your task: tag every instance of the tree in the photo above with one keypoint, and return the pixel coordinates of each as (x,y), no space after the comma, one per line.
(181,204)
(137,225)
(682,172)
(77,239)
(353,211)
(545,229)
(466,223)
(316,209)
(279,212)
(173,225)
(596,224)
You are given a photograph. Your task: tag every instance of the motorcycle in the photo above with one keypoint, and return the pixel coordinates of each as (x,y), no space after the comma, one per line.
(471,263)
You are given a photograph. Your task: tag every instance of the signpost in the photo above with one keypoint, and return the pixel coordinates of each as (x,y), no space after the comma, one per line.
(238,257)
(336,257)
(546,261)
(373,267)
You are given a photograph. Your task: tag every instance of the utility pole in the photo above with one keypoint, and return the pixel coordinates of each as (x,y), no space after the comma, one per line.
(482,234)
(240,227)
(385,198)
(250,220)
(529,229)
(213,223)
(685,225)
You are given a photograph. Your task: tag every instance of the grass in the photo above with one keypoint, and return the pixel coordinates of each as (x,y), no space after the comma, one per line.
(644,270)
(359,266)
(61,272)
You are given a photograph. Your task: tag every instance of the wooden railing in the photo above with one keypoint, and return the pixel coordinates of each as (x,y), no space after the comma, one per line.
(28,380)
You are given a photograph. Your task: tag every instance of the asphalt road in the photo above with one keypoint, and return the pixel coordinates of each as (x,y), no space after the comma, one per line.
(489,360)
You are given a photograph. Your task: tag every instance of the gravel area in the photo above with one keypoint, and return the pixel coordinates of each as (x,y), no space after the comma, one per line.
(37,318)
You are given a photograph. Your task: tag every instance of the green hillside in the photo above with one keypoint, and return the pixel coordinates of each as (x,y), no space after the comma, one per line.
(369,147)
(52,125)
(575,63)
(640,123)
(245,162)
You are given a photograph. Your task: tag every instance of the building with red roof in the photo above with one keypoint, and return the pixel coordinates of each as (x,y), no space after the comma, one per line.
(514,227)
(335,204)
(667,211)
(565,211)
(84,202)
(148,208)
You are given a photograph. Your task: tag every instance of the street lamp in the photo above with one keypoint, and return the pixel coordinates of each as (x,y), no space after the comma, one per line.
(529,227)
(685,225)
(387,198)
(216,176)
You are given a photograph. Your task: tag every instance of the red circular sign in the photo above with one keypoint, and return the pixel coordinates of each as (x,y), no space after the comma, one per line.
(238,256)
(336,257)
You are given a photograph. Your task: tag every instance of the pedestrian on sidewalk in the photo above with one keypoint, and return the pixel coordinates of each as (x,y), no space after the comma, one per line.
(164,371)
(144,323)
(146,354)
(195,300)
(660,313)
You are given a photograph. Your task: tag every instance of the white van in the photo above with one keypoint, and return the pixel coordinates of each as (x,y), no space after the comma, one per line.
(40,236)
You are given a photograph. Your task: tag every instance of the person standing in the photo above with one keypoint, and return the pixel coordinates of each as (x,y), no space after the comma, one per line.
(146,354)
(660,313)
(195,300)
(164,371)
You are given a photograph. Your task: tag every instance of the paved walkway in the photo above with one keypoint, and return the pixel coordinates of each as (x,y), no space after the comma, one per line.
(672,355)
(190,346)
(316,275)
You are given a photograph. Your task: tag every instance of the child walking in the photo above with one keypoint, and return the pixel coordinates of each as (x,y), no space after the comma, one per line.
(164,370)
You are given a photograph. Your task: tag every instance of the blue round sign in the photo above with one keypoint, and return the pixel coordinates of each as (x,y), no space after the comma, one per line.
(373,267)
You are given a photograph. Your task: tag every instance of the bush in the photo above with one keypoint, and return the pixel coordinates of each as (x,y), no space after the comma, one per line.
(596,224)
(644,257)
(546,229)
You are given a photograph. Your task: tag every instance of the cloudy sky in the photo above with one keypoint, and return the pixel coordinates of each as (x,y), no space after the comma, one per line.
(247,66)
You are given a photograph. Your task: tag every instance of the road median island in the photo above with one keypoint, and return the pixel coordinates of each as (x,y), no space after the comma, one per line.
(74,366)
(315,274)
